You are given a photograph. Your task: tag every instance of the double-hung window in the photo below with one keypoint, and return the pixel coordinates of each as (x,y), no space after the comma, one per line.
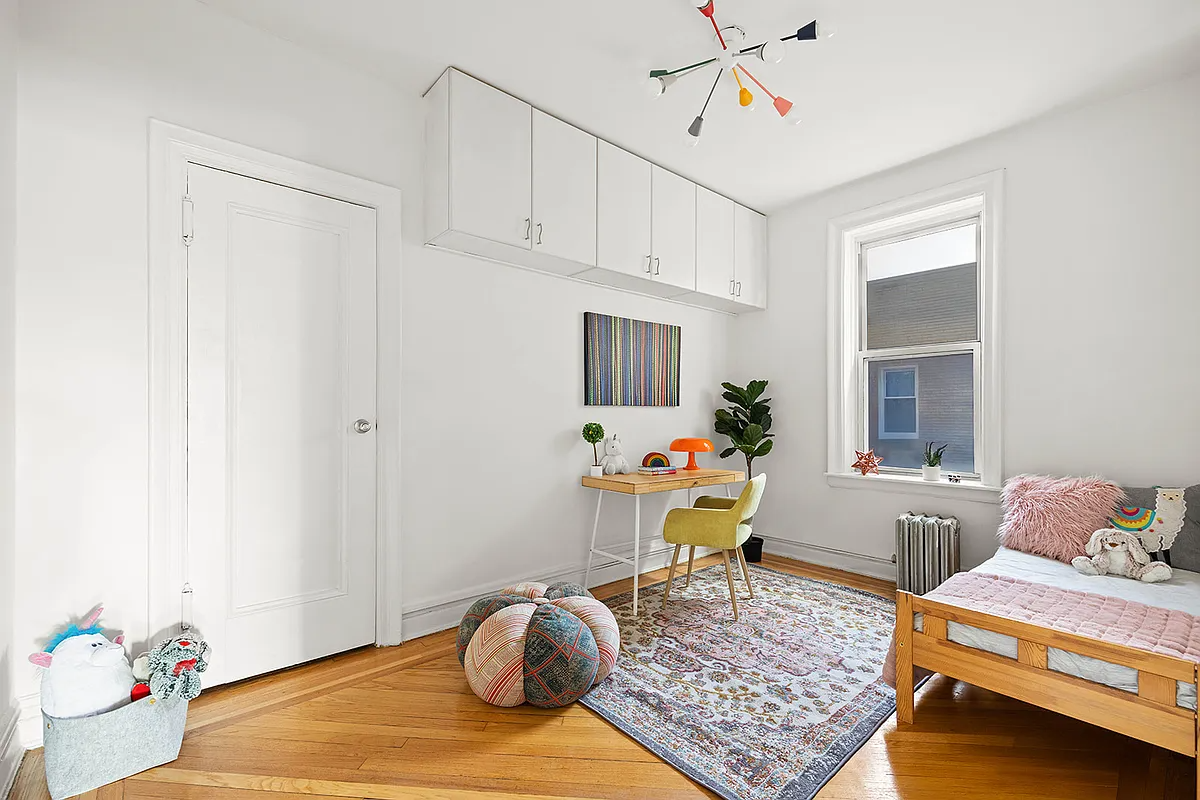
(914,329)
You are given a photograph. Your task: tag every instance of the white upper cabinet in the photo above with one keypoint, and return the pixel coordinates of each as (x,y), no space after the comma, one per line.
(750,258)
(510,183)
(623,212)
(714,244)
(564,191)
(673,226)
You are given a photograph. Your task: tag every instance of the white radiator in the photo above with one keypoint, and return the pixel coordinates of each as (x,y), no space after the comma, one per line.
(926,551)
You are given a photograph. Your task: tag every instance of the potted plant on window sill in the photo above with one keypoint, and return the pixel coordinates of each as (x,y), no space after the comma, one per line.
(931,463)
(593,434)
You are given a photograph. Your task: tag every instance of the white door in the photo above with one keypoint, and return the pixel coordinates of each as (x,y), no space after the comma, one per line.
(750,257)
(714,244)
(673,221)
(490,148)
(564,190)
(280,483)
(622,212)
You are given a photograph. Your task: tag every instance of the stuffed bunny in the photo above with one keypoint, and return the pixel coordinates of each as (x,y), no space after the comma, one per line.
(614,460)
(1114,552)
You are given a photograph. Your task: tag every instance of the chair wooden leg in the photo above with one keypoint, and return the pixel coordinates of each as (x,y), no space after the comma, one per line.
(671,574)
(745,571)
(729,577)
(691,558)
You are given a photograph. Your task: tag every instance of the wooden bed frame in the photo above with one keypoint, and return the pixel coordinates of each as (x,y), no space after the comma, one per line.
(1150,715)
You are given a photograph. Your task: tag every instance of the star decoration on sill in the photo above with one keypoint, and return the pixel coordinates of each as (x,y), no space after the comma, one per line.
(867,462)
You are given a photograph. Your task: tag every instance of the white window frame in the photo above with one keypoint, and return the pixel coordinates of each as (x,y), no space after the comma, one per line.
(884,433)
(981,197)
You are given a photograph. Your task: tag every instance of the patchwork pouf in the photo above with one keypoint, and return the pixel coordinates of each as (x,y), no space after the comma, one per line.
(537,644)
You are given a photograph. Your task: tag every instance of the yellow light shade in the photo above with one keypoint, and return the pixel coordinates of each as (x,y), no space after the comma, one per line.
(745,97)
(691,446)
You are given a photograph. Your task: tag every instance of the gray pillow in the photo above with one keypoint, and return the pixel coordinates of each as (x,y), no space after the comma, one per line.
(1185,554)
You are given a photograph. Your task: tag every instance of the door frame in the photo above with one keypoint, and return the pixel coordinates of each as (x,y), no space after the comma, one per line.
(171,150)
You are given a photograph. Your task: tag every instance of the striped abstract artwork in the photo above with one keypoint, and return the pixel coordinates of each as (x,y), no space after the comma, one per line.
(628,362)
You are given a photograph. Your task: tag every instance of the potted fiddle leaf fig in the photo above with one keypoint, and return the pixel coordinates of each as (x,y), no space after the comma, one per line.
(593,434)
(747,422)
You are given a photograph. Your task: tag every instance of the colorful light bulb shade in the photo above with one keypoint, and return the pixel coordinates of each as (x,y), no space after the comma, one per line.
(745,98)
(656,86)
(772,52)
(696,128)
(808,33)
(707,9)
(783,106)
(691,446)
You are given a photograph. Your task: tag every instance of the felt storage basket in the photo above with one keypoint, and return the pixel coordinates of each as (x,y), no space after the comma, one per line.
(86,753)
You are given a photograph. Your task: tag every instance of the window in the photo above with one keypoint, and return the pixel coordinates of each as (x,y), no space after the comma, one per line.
(913,333)
(898,403)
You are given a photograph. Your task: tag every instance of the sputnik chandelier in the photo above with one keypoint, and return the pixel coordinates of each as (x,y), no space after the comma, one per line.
(732,53)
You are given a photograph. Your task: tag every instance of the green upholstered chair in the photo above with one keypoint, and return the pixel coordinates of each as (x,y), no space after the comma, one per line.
(720,522)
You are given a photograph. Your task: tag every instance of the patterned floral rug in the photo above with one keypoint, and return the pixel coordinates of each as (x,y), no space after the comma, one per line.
(766,708)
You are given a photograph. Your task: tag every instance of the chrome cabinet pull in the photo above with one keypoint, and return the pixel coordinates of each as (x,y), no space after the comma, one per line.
(657,263)
(649,262)
(539,239)
(739,289)
(528,222)
(731,285)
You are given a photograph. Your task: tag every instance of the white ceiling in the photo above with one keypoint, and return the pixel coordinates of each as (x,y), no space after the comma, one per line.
(900,80)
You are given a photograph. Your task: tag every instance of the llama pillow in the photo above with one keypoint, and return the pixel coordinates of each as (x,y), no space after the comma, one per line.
(1185,550)
(1055,517)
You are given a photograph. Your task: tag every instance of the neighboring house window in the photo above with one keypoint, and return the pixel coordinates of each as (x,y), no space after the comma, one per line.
(914,332)
(898,403)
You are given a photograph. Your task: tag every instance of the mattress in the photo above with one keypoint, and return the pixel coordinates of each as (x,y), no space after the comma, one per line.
(1181,593)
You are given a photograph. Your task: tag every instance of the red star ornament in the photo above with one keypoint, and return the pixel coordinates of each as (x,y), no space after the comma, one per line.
(867,462)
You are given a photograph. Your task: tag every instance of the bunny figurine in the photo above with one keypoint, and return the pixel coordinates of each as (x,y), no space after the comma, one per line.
(614,460)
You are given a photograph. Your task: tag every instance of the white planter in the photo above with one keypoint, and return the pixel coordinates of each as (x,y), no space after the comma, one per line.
(596,472)
(931,473)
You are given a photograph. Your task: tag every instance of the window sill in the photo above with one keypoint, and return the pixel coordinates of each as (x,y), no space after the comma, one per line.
(970,491)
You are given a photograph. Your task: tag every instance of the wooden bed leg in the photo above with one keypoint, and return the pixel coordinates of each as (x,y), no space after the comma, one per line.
(1198,738)
(904,658)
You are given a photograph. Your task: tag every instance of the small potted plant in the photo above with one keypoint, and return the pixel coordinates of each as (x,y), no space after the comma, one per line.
(593,434)
(931,462)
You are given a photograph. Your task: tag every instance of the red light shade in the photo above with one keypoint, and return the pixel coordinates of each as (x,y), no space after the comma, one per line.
(783,106)
(709,9)
(691,447)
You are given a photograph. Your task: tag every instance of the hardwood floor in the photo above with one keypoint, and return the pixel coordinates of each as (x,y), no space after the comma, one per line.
(401,724)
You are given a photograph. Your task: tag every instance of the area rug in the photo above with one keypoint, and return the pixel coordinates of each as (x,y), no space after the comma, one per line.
(765,708)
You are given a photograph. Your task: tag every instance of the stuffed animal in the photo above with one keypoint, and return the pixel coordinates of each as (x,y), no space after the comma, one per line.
(175,666)
(1114,552)
(614,460)
(85,673)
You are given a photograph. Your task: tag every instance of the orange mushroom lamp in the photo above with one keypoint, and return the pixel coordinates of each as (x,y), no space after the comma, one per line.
(691,447)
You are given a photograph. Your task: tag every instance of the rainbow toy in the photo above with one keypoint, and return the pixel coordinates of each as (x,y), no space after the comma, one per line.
(1133,519)
(656,460)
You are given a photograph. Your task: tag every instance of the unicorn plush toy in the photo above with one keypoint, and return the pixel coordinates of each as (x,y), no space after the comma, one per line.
(85,673)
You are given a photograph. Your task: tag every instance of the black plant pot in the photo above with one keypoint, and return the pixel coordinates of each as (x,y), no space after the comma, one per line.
(752,549)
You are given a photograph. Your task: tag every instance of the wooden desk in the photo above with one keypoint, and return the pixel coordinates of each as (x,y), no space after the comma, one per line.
(638,485)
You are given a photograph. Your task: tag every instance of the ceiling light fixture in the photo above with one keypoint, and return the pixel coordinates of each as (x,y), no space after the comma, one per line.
(729,40)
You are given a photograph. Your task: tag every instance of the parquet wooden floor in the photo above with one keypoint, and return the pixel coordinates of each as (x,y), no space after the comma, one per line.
(401,724)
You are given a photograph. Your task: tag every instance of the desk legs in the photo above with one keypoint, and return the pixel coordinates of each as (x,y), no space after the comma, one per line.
(637,546)
(587,575)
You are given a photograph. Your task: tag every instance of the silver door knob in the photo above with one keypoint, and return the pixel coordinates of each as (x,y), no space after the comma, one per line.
(363,426)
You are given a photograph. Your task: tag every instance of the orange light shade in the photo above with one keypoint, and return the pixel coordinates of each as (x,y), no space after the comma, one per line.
(745,97)
(783,106)
(691,446)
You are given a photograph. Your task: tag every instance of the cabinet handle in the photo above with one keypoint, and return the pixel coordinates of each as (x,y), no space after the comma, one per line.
(649,262)
(731,285)
(539,239)
(528,222)
(739,289)
(657,262)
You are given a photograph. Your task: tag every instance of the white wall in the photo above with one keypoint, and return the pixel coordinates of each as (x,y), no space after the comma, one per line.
(8,198)
(492,374)
(1101,339)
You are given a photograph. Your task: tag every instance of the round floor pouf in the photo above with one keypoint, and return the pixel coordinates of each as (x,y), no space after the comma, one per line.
(519,646)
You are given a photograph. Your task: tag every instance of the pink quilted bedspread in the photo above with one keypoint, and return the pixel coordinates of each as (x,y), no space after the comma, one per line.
(1110,619)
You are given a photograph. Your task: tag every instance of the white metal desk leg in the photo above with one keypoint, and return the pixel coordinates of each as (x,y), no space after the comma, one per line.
(592,550)
(637,546)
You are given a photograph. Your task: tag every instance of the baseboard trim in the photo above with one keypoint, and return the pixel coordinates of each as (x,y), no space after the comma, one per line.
(445,612)
(29,722)
(11,752)
(859,563)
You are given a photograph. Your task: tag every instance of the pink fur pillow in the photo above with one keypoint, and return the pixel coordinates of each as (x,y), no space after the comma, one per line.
(1055,517)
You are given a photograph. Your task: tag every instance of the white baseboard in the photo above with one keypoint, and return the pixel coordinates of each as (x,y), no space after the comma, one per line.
(11,752)
(858,563)
(29,723)
(445,612)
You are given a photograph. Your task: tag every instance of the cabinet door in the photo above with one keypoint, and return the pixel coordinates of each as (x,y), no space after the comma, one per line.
(714,244)
(750,257)
(490,150)
(564,190)
(622,212)
(673,220)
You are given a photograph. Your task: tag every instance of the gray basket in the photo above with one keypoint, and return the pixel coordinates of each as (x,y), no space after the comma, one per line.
(89,752)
